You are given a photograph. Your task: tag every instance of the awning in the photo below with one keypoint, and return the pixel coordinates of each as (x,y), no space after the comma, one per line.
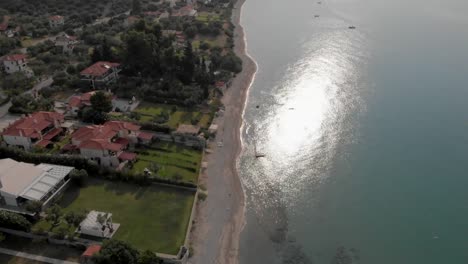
(54,132)
(127,156)
(43,143)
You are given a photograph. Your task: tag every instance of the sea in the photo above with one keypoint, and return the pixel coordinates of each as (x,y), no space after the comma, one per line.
(356,132)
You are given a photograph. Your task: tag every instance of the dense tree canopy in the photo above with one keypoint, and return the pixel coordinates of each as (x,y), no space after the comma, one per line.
(116,252)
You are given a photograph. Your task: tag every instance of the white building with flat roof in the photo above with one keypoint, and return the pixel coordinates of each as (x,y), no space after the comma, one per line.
(21,182)
(98,224)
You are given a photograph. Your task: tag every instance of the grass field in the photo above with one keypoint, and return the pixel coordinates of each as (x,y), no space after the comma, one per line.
(37,248)
(150,217)
(180,116)
(207,16)
(174,161)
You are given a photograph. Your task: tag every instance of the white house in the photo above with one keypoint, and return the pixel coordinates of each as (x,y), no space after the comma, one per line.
(16,63)
(56,21)
(38,129)
(98,224)
(66,42)
(21,182)
(101,72)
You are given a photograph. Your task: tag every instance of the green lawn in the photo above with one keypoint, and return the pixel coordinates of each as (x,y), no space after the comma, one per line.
(180,116)
(151,217)
(207,16)
(174,162)
(27,42)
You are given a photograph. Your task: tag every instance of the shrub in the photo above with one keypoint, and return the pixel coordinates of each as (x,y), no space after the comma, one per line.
(80,177)
(33,206)
(14,221)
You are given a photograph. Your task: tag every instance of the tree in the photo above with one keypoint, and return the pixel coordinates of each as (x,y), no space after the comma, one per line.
(106,51)
(74,218)
(14,221)
(53,214)
(101,102)
(136,7)
(96,55)
(34,206)
(148,257)
(116,252)
(79,176)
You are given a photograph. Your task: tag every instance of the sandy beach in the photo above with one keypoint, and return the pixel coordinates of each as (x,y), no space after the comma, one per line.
(220,218)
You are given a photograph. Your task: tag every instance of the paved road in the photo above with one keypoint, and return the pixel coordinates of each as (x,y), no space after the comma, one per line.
(39,86)
(34,257)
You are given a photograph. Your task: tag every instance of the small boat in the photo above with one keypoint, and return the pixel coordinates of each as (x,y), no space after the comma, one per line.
(352,27)
(317,16)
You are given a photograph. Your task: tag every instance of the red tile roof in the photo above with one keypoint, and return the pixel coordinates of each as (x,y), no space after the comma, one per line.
(54,132)
(121,125)
(80,100)
(145,136)
(14,57)
(127,156)
(55,18)
(94,132)
(220,84)
(75,101)
(31,126)
(3,26)
(99,137)
(122,141)
(99,68)
(43,143)
(91,250)
(100,144)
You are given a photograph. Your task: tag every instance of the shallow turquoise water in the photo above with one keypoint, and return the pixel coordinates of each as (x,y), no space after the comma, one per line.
(365,132)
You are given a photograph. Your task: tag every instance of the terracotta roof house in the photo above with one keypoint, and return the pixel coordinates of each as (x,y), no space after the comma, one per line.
(77,102)
(40,129)
(101,73)
(106,144)
(5,23)
(21,182)
(16,63)
(56,21)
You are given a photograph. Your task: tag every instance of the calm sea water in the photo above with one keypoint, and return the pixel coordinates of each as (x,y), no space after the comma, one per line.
(365,132)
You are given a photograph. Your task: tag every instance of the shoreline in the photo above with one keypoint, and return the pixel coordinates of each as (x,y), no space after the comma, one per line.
(219,220)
